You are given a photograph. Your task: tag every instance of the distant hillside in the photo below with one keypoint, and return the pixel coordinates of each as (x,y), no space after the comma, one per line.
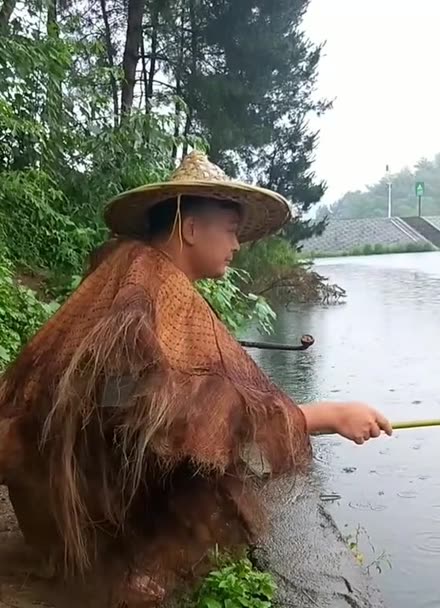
(373,202)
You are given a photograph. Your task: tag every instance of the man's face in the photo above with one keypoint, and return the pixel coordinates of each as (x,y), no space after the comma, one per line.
(212,236)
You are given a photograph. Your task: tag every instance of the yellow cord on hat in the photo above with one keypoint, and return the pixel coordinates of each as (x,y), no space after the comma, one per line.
(178,222)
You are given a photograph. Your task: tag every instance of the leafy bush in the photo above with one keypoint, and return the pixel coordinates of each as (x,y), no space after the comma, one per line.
(267,257)
(235,584)
(37,234)
(235,307)
(60,158)
(21,313)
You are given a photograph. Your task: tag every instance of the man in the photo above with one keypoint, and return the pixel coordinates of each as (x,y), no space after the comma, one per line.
(129,416)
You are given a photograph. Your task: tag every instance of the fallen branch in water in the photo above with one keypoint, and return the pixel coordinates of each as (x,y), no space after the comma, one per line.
(306,342)
(300,284)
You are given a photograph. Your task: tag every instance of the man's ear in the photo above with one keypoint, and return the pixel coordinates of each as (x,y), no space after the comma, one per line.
(189,230)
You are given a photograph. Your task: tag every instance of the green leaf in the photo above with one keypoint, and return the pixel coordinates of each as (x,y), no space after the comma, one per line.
(212,603)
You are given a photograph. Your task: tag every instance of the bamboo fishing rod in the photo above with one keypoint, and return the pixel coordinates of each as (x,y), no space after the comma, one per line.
(398,426)
(414,424)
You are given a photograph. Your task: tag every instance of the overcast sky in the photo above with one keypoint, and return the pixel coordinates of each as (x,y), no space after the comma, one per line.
(382,64)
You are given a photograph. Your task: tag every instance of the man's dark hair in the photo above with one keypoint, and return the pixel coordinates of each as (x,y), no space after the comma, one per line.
(161,218)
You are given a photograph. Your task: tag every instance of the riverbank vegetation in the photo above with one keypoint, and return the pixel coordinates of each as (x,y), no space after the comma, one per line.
(233,583)
(374,250)
(378,561)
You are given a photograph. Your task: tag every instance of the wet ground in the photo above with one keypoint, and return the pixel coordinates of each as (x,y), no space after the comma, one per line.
(21,583)
(305,552)
(17,589)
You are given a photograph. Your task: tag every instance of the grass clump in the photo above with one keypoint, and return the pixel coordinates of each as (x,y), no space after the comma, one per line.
(234,584)
(376,249)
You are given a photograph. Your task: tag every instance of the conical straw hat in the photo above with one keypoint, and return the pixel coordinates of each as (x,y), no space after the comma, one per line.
(264,212)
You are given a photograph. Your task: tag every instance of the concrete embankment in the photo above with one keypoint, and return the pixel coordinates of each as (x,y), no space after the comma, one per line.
(311,563)
(342,237)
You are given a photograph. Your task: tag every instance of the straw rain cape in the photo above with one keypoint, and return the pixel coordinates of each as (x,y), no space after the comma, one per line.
(127,417)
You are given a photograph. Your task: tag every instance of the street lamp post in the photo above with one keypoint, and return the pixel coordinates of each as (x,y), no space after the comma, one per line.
(390,191)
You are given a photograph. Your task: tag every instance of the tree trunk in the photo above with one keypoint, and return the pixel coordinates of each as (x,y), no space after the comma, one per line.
(54,104)
(110,55)
(176,118)
(194,57)
(144,75)
(52,26)
(131,53)
(186,131)
(5,14)
(154,44)
(194,45)
(179,70)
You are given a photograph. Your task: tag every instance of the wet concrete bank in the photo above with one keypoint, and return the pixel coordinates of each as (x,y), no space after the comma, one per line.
(309,559)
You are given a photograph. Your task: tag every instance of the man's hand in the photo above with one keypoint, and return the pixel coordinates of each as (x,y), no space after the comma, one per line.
(355,421)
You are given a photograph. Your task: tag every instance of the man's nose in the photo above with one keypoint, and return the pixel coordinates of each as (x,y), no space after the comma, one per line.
(236,245)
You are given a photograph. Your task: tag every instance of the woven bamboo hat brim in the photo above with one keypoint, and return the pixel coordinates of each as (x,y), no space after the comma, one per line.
(263,212)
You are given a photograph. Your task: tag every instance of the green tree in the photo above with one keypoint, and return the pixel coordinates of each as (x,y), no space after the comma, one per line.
(246,73)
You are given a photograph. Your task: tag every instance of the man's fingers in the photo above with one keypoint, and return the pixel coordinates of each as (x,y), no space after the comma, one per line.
(384,424)
(375,430)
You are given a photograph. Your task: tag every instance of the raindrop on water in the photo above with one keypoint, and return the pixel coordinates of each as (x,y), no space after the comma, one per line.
(407,494)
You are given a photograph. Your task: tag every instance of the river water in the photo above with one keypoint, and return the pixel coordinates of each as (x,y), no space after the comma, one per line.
(382,347)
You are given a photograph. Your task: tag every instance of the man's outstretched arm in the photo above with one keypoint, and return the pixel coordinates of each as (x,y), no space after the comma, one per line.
(355,421)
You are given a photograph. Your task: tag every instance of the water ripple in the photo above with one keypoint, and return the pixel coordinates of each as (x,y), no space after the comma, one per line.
(407,494)
(429,543)
(392,470)
(358,506)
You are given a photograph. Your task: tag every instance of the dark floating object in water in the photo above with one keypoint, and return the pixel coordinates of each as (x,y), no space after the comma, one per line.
(306,342)
(330,497)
